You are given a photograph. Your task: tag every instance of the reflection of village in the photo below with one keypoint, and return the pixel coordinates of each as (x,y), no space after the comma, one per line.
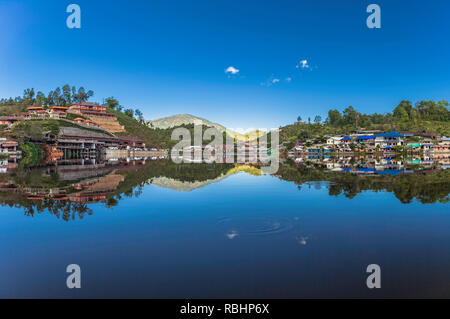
(85,181)
(254,153)
(375,164)
(373,152)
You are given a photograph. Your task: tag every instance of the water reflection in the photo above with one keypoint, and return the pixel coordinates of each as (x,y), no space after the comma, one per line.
(67,187)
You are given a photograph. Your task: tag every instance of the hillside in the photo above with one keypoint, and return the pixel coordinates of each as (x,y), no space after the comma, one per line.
(157,137)
(188,119)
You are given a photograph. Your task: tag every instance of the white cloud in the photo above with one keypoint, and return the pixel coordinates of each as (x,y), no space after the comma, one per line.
(232,70)
(288,79)
(303,65)
(271,81)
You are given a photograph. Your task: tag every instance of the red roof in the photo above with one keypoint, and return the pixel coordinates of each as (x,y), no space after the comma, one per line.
(35,108)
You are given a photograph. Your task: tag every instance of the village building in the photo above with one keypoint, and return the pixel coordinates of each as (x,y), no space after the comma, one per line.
(10,120)
(443,146)
(97,114)
(87,108)
(389,140)
(36,111)
(334,140)
(58,112)
(368,141)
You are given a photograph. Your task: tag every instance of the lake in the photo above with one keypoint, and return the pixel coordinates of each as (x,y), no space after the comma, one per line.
(154,229)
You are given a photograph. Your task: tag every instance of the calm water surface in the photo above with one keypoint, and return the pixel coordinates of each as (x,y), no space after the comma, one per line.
(234,236)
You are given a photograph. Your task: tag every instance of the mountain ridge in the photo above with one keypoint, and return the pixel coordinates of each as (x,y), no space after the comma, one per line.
(186,119)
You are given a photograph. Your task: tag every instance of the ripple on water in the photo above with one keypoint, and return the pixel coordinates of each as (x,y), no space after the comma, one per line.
(258,226)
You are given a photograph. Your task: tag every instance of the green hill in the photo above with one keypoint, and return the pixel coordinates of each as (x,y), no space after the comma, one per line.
(189,120)
(153,137)
(182,119)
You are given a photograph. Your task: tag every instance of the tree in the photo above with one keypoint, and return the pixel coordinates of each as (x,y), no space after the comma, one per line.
(82,95)
(57,98)
(351,116)
(50,98)
(139,115)
(317,119)
(28,96)
(401,114)
(41,100)
(112,102)
(67,94)
(334,118)
(299,118)
(129,112)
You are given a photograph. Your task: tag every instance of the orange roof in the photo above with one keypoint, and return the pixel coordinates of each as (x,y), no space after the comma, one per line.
(35,108)
(79,119)
(60,107)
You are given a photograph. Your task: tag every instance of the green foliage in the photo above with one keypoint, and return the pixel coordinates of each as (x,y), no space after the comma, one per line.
(34,128)
(64,97)
(424,116)
(425,187)
(31,154)
(11,110)
(129,113)
(112,103)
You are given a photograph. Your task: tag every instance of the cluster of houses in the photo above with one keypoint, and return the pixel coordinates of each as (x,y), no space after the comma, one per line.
(376,141)
(58,112)
(93,116)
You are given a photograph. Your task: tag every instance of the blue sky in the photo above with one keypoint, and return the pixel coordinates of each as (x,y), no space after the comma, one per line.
(169,57)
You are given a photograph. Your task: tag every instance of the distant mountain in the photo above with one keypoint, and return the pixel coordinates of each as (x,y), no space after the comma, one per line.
(184,186)
(182,119)
(185,119)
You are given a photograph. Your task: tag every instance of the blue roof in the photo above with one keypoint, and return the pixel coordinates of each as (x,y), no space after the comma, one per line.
(346,138)
(391,172)
(366,137)
(390,134)
(366,170)
(388,148)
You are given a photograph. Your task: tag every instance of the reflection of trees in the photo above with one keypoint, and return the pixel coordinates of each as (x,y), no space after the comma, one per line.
(135,178)
(63,209)
(426,188)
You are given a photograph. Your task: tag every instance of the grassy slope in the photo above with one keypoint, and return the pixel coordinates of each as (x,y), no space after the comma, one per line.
(152,137)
